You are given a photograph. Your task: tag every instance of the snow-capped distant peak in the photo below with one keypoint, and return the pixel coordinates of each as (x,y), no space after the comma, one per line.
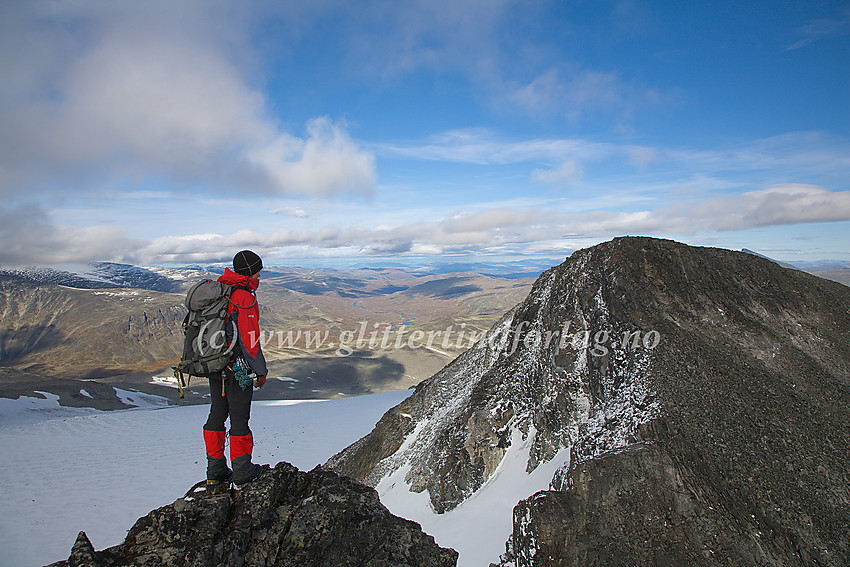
(96,275)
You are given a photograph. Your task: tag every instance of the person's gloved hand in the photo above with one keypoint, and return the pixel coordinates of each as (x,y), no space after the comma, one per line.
(260,381)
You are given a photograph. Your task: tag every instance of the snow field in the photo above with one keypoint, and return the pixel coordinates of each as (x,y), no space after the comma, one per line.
(72,469)
(27,410)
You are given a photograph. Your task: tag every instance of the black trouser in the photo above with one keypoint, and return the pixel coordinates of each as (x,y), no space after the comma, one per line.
(235,403)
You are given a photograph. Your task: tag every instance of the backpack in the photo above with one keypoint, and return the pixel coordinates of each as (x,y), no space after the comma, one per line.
(205,348)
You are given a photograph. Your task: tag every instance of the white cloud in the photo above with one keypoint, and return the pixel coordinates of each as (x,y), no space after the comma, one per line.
(813,156)
(106,93)
(478,41)
(494,219)
(823,28)
(392,39)
(567,174)
(296,212)
(426,249)
(31,237)
(484,147)
(641,156)
(572,92)
(327,162)
(774,206)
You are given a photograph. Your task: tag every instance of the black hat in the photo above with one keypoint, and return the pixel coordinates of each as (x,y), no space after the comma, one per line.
(247,263)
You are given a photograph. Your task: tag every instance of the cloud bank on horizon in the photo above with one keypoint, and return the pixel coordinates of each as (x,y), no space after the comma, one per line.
(179,132)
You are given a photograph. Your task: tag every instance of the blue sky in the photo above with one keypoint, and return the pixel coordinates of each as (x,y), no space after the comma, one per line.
(335,132)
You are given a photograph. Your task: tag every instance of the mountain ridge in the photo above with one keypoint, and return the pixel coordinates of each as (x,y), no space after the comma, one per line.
(750,370)
(96,275)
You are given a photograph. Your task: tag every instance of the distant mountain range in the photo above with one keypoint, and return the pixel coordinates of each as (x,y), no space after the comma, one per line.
(55,319)
(317,281)
(108,321)
(97,275)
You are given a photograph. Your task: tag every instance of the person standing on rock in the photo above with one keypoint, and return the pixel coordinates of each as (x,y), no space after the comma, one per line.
(231,391)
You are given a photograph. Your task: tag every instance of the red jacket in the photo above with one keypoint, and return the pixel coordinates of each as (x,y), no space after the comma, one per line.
(244,311)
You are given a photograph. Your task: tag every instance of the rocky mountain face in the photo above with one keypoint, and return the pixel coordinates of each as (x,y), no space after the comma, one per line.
(57,330)
(703,396)
(285,518)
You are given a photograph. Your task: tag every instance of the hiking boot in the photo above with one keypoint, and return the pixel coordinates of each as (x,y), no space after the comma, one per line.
(218,476)
(244,471)
(217,469)
(217,486)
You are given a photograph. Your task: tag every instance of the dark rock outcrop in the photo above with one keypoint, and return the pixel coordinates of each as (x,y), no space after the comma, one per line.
(285,518)
(656,502)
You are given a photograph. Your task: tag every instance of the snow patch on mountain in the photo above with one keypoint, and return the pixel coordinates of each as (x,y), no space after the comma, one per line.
(477,528)
(447,400)
(140,399)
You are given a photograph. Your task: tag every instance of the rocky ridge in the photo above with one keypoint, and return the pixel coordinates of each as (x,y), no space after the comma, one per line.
(285,518)
(702,395)
(530,374)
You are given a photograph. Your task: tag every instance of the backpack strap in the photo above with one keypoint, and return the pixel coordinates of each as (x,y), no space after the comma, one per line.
(246,288)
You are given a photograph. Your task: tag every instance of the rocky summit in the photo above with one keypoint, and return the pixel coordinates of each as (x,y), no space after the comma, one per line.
(285,518)
(702,397)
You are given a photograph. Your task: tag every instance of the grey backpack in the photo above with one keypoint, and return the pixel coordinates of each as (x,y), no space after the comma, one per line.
(205,346)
